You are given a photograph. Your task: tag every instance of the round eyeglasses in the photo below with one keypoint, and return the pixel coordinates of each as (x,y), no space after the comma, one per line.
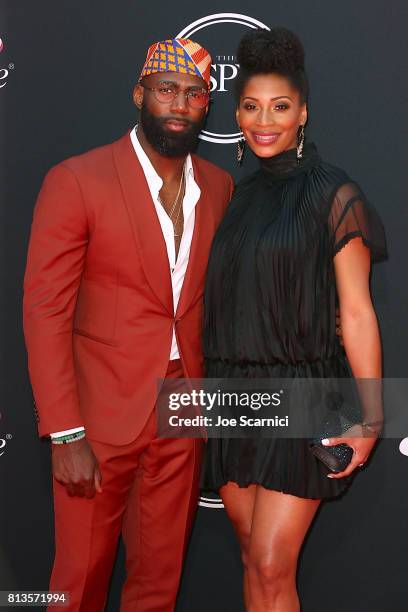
(196,98)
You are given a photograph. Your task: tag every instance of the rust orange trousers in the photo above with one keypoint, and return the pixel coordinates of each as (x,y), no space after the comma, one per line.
(150,492)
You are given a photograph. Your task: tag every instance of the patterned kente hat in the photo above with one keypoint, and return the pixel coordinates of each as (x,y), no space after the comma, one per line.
(178,55)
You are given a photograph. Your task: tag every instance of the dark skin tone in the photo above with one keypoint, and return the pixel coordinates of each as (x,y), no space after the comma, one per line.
(74,465)
(271,525)
(177,111)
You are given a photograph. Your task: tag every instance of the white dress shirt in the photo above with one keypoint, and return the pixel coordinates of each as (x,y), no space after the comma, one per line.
(192,194)
(177,267)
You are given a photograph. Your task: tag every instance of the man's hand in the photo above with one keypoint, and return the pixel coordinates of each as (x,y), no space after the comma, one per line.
(75,466)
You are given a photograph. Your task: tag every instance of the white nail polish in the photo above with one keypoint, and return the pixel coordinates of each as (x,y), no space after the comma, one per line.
(325,441)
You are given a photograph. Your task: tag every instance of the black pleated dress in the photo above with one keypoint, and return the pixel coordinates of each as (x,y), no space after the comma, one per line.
(270,302)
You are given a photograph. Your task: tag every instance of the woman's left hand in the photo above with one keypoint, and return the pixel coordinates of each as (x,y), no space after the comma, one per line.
(361,441)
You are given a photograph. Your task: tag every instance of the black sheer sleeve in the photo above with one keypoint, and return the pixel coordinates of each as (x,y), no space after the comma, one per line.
(352,216)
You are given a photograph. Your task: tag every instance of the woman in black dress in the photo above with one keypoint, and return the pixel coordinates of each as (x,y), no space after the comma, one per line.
(296,242)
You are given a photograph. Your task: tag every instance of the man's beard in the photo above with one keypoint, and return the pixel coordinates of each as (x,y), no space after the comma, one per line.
(165,142)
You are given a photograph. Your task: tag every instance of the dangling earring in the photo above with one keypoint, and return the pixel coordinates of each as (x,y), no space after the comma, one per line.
(240,148)
(301,141)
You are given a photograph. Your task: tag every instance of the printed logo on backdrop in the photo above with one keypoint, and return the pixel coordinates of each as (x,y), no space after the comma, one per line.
(403,447)
(3,443)
(220,34)
(5,69)
(210,500)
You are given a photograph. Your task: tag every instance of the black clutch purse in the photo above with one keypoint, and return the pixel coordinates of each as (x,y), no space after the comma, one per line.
(337,457)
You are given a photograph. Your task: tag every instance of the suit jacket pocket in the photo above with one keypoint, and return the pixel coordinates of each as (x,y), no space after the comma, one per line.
(95,312)
(82,332)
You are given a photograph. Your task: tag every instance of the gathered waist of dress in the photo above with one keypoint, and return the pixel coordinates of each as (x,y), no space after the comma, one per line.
(245,363)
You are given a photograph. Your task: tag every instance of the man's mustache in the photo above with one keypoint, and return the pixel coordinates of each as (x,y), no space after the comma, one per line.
(162,120)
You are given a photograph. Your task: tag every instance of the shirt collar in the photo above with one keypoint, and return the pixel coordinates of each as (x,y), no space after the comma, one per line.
(153,179)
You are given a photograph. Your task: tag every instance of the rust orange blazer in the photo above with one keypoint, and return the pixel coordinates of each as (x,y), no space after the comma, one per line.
(98,304)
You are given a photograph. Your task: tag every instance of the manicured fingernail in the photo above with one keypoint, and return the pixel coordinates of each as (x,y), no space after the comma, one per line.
(325,441)
(330,476)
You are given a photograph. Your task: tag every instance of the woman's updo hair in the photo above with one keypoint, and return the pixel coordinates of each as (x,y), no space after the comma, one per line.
(272,51)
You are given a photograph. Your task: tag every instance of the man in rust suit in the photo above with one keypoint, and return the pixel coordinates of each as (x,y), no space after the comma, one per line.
(112,303)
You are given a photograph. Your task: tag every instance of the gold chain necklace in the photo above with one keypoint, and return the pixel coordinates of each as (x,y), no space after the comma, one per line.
(178,215)
(173,207)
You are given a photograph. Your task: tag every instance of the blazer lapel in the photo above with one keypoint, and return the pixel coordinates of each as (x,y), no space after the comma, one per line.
(204,228)
(144,221)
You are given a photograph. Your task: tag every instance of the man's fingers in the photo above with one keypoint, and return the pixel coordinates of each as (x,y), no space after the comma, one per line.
(70,489)
(98,480)
(75,489)
(89,489)
(77,468)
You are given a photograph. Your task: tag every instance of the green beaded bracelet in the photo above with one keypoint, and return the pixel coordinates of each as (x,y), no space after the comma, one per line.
(79,435)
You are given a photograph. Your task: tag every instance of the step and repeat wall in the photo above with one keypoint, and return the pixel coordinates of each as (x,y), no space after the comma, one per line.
(67,70)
